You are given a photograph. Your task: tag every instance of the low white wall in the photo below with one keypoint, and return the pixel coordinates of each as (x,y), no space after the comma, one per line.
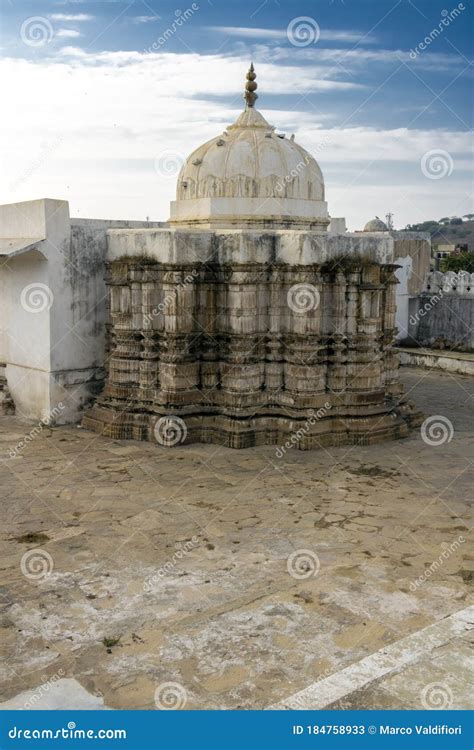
(456,362)
(53,308)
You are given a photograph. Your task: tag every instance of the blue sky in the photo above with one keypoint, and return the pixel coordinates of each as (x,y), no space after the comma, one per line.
(104,93)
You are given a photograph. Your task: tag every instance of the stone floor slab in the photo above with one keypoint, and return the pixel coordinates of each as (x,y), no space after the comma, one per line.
(239,576)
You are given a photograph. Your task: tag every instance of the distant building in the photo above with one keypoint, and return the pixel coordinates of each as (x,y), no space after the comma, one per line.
(444,251)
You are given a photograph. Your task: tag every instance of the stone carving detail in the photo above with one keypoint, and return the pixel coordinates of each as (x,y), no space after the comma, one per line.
(241,186)
(219,347)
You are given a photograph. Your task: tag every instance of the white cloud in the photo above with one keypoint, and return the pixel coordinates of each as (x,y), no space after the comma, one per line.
(362,57)
(190,74)
(329,35)
(113,113)
(144,19)
(67,33)
(72,17)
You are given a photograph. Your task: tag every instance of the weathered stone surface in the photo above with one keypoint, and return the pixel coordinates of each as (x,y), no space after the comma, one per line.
(6,402)
(263,338)
(153,546)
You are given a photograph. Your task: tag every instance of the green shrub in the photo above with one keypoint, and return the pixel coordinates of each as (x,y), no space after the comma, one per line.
(461,262)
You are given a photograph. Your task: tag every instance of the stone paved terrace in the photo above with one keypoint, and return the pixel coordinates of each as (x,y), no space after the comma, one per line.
(149,565)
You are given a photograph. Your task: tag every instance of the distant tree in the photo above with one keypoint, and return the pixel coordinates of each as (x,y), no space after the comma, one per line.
(425,226)
(456,221)
(444,220)
(462,262)
(469,217)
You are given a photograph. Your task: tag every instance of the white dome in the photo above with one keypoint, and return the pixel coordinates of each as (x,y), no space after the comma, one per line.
(252,161)
(250,175)
(375,225)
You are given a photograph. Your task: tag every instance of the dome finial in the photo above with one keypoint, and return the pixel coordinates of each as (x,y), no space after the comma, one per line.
(250,87)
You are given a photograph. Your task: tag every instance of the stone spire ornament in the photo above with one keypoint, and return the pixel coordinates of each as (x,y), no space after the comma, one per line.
(250,87)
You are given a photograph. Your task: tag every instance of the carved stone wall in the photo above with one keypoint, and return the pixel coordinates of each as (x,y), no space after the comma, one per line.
(242,354)
(241,186)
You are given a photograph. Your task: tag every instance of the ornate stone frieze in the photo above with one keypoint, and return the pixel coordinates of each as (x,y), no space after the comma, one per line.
(243,353)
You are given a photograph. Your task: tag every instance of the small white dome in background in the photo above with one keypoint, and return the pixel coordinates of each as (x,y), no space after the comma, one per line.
(251,175)
(375,225)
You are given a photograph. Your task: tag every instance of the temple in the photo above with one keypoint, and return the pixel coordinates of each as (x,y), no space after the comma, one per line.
(244,320)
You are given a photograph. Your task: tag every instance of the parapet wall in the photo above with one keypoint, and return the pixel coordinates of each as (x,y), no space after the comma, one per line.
(442,316)
(459,284)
